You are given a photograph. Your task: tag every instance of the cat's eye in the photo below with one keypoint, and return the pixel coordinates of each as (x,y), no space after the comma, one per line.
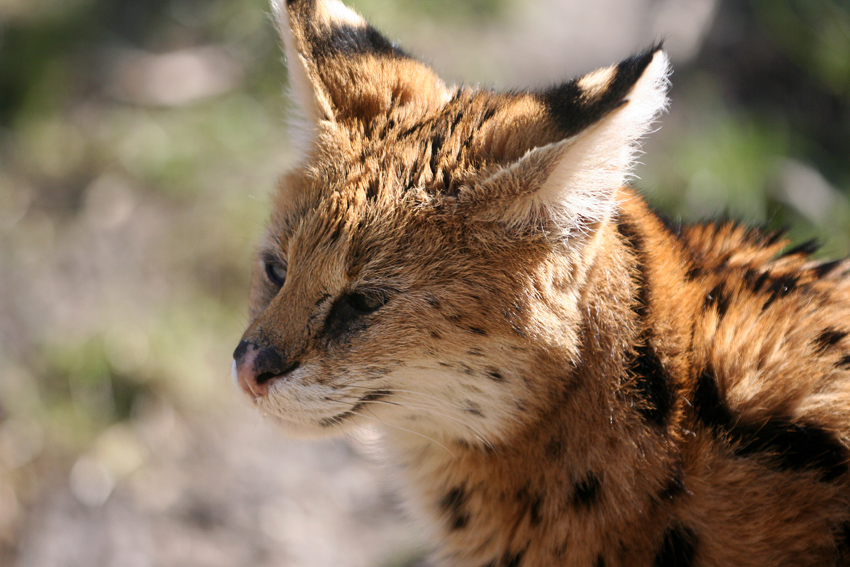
(366,302)
(275,272)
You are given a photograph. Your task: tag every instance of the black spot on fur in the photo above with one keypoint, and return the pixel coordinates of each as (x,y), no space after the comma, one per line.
(826,268)
(458,117)
(554,448)
(769,238)
(372,190)
(780,287)
(486,116)
(586,491)
(372,396)
(600,561)
(784,444)
(453,318)
(710,408)
(793,446)
(755,281)
(433,301)
(512,559)
(535,517)
(453,504)
(436,145)
(436,335)
(694,272)
(718,299)
(475,352)
(828,338)
(653,385)
(495,375)
(677,549)
(473,409)
(844,362)
(478,331)
(674,488)
(806,248)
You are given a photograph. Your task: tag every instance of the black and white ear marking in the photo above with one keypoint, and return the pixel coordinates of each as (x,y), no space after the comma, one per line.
(342,69)
(566,186)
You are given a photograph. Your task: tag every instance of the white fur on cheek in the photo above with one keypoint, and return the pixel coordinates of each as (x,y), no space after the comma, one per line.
(234,374)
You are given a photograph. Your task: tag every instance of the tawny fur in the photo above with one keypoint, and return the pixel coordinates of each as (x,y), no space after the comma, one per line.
(563,378)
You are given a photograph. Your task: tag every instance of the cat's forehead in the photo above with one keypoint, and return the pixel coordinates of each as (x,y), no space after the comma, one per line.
(395,152)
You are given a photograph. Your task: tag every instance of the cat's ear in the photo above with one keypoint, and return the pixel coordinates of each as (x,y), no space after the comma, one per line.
(573,146)
(342,69)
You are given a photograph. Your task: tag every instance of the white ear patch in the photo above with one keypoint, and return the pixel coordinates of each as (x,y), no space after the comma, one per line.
(595,163)
(595,83)
(311,103)
(567,186)
(334,11)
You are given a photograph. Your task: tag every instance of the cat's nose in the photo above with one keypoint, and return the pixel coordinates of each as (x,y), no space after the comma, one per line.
(256,367)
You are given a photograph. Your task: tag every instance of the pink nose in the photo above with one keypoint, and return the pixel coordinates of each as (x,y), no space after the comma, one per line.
(257,367)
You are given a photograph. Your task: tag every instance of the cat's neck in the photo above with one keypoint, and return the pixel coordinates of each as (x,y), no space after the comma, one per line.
(605,447)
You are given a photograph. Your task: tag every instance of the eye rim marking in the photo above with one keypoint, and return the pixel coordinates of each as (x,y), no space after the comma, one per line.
(351,311)
(366,301)
(272,267)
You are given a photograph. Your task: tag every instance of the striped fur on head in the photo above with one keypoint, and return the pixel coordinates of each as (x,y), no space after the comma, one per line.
(563,378)
(546,159)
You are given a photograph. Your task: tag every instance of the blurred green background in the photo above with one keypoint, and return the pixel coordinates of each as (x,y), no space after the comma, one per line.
(139,142)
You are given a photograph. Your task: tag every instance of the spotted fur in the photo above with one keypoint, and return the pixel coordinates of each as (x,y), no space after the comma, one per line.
(563,377)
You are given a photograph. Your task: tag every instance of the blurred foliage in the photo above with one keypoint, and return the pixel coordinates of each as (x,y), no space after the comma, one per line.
(815,34)
(469,12)
(760,123)
(128,219)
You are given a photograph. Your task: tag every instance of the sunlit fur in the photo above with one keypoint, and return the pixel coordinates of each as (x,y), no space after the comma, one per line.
(561,377)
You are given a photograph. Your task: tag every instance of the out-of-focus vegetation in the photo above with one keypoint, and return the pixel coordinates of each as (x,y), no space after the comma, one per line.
(138,143)
(760,124)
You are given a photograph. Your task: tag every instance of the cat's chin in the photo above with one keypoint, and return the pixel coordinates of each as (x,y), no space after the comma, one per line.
(300,430)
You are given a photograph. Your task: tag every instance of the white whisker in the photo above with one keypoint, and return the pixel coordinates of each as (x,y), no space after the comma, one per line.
(405,429)
(475,431)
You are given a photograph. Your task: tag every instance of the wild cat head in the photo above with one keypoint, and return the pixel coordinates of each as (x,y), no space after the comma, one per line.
(423,261)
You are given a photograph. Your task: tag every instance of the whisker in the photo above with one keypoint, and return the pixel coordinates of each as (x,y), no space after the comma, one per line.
(428,408)
(475,431)
(405,429)
(435,398)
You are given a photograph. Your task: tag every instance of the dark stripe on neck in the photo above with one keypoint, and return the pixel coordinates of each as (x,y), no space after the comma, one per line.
(652,381)
(780,442)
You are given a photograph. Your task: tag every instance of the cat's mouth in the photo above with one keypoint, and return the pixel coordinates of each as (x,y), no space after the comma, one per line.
(372,396)
(291,403)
